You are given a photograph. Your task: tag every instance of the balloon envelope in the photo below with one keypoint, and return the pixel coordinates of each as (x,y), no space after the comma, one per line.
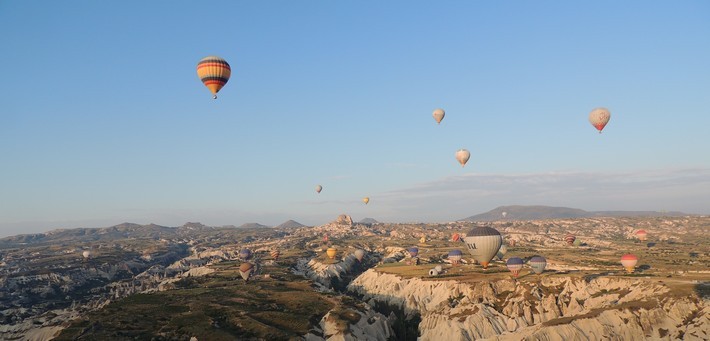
(456,237)
(538,264)
(462,155)
(359,254)
(483,243)
(628,261)
(214,72)
(413,251)
(275,254)
(365,200)
(245,270)
(599,117)
(319,188)
(569,239)
(455,256)
(641,234)
(331,252)
(438,115)
(86,254)
(245,254)
(502,251)
(514,264)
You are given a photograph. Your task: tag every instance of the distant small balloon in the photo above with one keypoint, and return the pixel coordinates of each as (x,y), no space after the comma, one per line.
(462,155)
(538,264)
(502,251)
(455,256)
(331,252)
(214,72)
(599,117)
(359,254)
(366,200)
(413,251)
(514,264)
(319,188)
(438,115)
(245,254)
(628,261)
(245,270)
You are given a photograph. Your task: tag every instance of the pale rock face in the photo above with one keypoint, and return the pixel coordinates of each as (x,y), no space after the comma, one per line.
(344,219)
(556,308)
(337,325)
(326,273)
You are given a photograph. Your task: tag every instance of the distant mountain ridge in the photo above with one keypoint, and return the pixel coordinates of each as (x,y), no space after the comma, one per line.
(290,224)
(252,226)
(535,212)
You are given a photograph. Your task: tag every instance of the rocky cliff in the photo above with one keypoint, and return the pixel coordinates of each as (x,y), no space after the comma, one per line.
(552,308)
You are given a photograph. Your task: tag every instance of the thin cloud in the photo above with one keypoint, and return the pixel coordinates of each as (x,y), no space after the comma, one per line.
(450,198)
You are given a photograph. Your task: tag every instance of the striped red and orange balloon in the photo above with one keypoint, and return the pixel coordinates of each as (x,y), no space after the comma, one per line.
(214,72)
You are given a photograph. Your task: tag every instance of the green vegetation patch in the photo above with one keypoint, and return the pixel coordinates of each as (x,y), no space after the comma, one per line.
(215,307)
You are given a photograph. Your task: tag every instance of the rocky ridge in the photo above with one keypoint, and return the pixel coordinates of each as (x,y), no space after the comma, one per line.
(555,308)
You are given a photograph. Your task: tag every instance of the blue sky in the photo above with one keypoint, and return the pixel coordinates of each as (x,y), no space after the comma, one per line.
(103,118)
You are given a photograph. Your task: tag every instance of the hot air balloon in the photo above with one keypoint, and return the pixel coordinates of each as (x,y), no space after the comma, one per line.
(455,256)
(275,254)
(319,188)
(439,269)
(325,238)
(331,252)
(246,269)
(569,239)
(599,117)
(629,262)
(641,235)
(359,254)
(438,115)
(413,251)
(456,237)
(245,254)
(86,254)
(483,243)
(462,155)
(514,264)
(537,264)
(365,200)
(214,73)
(422,240)
(501,252)
(504,214)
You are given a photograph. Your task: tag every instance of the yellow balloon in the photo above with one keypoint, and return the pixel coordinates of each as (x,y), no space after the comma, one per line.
(214,72)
